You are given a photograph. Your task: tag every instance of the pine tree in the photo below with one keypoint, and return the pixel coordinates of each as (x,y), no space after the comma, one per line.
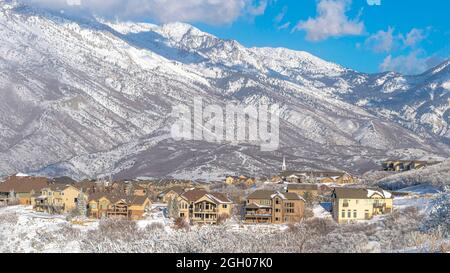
(172,206)
(81,204)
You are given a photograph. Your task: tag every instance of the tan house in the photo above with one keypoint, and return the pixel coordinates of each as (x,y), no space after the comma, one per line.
(170,194)
(236,180)
(22,187)
(351,204)
(324,177)
(306,191)
(56,199)
(405,165)
(202,207)
(265,206)
(117,205)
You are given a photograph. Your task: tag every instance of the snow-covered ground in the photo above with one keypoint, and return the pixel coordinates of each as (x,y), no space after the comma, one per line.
(23,230)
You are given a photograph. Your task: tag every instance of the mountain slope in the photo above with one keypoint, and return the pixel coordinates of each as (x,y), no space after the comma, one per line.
(84,97)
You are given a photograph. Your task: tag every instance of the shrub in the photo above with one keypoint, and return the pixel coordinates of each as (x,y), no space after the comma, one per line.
(222,218)
(181,223)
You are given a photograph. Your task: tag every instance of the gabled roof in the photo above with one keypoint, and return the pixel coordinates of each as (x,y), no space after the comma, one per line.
(85,185)
(261,194)
(176,189)
(23,184)
(58,187)
(194,195)
(219,198)
(302,187)
(117,197)
(65,180)
(257,206)
(268,194)
(360,193)
(287,196)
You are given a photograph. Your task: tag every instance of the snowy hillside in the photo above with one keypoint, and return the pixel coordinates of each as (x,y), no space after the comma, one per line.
(85,97)
(437,176)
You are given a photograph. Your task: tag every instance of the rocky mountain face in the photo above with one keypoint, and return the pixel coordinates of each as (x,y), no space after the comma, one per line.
(84,97)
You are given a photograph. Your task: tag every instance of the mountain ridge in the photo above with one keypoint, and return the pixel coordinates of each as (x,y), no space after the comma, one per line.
(94,98)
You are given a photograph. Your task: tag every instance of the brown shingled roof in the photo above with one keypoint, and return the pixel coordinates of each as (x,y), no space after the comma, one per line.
(177,189)
(194,195)
(267,194)
(116,197)
(261,194)
(302,187)
(23,184)
(220,197)
(354,193)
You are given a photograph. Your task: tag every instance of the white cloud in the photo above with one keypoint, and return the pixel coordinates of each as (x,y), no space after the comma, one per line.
(331,21)
(284,26)
(413,63)
(281,15)
(215,12)
(414,37)
(387,41)
(382,41)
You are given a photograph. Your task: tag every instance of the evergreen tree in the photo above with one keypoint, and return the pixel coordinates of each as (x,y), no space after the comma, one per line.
(81,204)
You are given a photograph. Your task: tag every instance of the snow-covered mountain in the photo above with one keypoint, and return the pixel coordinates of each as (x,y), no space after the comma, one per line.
(82,96)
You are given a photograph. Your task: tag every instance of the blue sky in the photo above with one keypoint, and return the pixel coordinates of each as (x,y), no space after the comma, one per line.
(426,22)
(407,36)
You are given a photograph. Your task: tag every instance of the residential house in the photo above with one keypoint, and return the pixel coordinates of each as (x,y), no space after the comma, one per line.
(170,194)
(266,206)
(307,191)
(350,204)
(139,190)
(240,180)
(324,177)
(22,187)
(405,165)
(87,186)
(201,207)
(57,198)
(118,205)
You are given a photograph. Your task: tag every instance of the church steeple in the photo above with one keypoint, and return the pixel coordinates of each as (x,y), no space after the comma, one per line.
(284,168)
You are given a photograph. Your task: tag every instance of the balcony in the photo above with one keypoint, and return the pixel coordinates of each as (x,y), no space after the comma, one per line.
(258,215)
(201,210)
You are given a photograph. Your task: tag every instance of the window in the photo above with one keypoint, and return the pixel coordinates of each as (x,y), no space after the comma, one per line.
(355,214)
(277,201)
(75,200)
(277,210)
(343,214)
(349,214)
(224,206)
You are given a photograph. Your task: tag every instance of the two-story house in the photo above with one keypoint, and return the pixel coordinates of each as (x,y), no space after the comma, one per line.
(201,207)
(351,204)
(117,205)
(57,198)
(265,206)
(21,188)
